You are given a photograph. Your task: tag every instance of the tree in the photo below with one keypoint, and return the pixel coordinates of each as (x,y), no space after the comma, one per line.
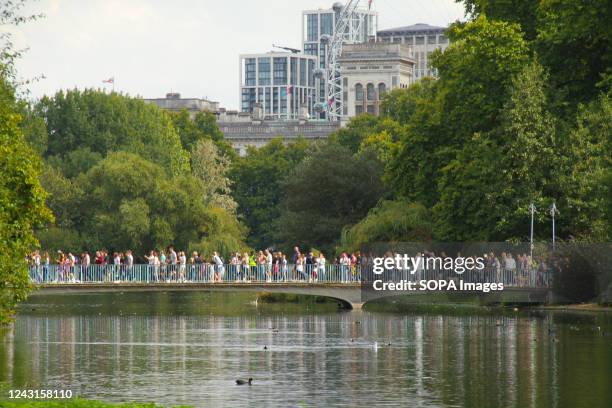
(486,191)
(329,190)
(257,179)
(212,168)
(389,222)
(415,159)
(22,204)
(522,12)
(105,123)
(203,126)
(587,186)
(582,29)
(131,203)
(476,72)
(22,199)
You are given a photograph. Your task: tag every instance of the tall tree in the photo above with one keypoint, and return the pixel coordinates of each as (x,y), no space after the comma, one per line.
(106,123)
(476,72)
(522,12)
(22,199)
(211,167)
(257,180)
(487,189)
(329,190)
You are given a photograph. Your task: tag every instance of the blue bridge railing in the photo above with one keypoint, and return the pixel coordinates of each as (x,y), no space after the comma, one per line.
(262,273)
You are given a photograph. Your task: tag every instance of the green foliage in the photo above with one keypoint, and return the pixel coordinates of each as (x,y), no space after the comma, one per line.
(522,12)
(588,183)
(104,123)
(22,204)
(64,196)
(75,162)
(478,202)
(203,126)
(415,159)
(211,168)
(476,72)
(330,189)
(129,202)
(257,180)
(574,43)
(389,221)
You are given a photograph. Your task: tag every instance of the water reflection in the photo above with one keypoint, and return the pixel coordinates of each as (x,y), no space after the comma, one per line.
(432,360)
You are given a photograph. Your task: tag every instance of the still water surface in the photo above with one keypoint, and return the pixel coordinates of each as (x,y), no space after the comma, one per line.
(189,348)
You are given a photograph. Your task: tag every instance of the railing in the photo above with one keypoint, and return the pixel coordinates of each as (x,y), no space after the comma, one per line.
(262,273)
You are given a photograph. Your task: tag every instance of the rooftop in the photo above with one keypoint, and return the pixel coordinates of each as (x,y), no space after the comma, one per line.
(419,27)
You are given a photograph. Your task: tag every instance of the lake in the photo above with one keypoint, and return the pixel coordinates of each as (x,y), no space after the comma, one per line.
(189,348)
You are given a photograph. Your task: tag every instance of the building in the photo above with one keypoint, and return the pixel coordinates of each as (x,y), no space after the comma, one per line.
(423,39)
(370,70)
(319,25)
(173,102)
(243,129)
(281,82)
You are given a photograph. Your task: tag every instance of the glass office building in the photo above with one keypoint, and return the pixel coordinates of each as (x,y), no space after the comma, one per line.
(281,83)
(322,22)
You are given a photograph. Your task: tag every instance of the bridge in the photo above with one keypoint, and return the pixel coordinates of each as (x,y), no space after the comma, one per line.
(338,282)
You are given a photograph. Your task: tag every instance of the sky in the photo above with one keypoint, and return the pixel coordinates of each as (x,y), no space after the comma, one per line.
(152,47)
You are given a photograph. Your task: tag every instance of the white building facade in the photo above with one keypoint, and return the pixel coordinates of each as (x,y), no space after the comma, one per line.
(369,71)
(281,83)
(423,39)
(319,25)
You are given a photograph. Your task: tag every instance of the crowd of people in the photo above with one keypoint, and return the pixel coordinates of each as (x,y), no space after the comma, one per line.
(170,265)
(178,266)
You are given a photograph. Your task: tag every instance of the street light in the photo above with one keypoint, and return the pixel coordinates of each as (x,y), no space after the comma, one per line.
(553,212)
(532,210)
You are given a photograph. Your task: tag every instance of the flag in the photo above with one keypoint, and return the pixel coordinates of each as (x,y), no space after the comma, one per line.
(109,81)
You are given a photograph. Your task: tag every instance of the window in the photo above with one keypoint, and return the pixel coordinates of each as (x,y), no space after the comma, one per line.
(249,72)
(358,109)
(442,39)
(382,89)
(268,102)
(370,91)
(264,71)
(371,109)
(312,27)
(280,71)
(419,40)
(293,79)
(311,49)
(311,73)
(327,23)
(359,92)
(431,39)
(248,99)
(303,72)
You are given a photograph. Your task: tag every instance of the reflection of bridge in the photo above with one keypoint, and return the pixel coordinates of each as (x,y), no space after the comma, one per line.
(339,282)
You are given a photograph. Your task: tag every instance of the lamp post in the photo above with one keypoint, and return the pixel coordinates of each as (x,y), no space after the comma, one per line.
(532,210)
(553,212)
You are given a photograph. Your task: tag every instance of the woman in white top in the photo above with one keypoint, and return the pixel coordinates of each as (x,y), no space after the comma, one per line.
(299,267)
(321,267)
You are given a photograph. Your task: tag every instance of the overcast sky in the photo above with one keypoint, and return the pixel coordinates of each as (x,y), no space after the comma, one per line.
(152,47)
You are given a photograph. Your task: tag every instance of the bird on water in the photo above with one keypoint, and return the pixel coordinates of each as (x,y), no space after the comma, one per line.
(242,382)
